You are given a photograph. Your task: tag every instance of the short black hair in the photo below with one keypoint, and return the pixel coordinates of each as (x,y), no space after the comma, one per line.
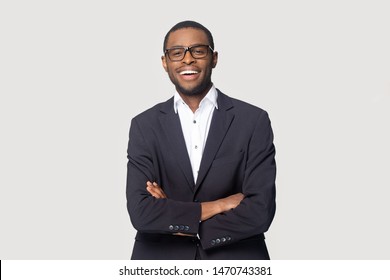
(189,24)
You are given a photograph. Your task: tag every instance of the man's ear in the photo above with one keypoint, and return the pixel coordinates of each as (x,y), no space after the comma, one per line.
(164,63)
(215,59)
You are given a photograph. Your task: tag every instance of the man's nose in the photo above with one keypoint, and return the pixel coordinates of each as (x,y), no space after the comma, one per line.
(188,59)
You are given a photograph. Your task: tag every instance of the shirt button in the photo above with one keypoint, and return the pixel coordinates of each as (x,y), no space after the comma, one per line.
(196,146)
(194,121)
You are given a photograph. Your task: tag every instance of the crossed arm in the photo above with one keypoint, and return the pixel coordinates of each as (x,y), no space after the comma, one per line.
(151,211)
(210,208)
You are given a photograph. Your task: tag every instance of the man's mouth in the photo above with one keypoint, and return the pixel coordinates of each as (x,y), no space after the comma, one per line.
(189,72)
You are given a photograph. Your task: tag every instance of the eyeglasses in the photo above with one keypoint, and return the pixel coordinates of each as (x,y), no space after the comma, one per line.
(178,53)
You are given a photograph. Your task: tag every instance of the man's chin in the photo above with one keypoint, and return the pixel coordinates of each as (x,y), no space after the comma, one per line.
(190,93)
(201,90)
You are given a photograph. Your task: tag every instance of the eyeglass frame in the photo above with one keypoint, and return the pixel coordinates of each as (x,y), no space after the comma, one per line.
(186,49)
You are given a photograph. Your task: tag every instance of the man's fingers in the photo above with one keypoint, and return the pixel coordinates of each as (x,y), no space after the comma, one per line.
(159,190)
(155,190)
(233,201)
(152,190)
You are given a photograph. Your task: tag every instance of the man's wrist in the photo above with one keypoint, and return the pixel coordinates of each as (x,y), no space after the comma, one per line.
(220,205)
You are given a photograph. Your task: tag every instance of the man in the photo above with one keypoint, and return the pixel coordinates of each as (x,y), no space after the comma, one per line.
(201,169)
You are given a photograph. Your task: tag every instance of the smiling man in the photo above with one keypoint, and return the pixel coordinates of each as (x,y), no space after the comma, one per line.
(201,166)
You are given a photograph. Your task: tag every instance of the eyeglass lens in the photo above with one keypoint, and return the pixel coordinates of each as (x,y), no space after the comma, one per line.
(177,54)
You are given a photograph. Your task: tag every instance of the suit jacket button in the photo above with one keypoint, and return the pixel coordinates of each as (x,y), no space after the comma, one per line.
(181,227)
(176,227)
(218,240)
(228,238)
(186,228)
(171,227)
(223,239)
(213,242)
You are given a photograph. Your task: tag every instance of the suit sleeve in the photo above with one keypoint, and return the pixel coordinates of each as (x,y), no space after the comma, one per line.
(255,213)
(148,214)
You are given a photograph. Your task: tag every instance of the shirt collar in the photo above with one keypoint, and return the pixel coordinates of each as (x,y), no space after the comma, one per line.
(211,96)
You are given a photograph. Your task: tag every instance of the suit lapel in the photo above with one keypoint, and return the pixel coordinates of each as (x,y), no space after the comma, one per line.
(222,118)
(170,122)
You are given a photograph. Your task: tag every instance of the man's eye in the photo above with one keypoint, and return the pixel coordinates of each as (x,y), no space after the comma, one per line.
(199,51)
(176,52)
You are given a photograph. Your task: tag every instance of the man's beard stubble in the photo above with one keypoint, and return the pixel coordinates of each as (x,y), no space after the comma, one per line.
(201,89)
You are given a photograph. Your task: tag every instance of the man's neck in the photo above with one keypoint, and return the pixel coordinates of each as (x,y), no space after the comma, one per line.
(193,101)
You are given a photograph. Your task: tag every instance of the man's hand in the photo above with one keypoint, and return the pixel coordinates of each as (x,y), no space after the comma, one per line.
(210,208)
(155,190)
(231,201)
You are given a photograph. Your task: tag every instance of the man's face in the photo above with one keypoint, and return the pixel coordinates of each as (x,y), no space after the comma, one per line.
(190,76)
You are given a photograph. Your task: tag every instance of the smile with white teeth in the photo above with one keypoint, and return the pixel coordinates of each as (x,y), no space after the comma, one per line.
(188,72)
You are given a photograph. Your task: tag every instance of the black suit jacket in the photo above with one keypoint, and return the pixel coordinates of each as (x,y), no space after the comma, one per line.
(239,156)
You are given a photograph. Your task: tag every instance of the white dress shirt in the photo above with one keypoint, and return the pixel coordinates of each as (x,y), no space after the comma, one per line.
(195,126)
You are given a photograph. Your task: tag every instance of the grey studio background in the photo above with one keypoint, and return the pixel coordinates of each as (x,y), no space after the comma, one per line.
(74,73)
